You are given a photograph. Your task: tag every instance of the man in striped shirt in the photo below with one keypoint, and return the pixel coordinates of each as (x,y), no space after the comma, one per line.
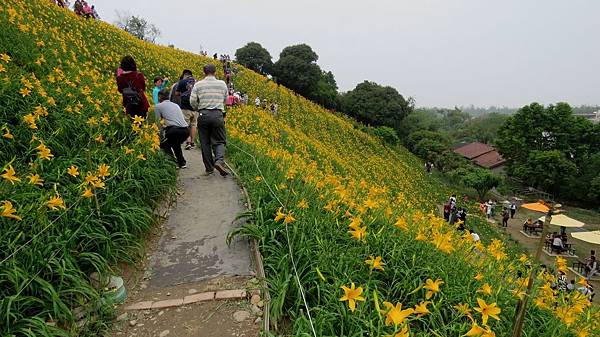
(208,97)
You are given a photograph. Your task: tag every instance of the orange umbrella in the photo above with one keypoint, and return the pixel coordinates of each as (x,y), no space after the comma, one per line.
(537,206)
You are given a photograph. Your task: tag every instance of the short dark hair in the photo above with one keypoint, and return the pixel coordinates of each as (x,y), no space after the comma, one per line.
(186,72)
(210,69)
(164,93)
(128,63)
(158,78)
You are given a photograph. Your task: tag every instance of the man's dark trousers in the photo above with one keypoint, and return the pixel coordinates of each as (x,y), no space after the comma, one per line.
(211,129)
(174,137)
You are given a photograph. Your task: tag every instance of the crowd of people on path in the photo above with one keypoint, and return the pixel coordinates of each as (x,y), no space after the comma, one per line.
(80,7)
(585,288)
(263,104)
(457,216)
(181,110)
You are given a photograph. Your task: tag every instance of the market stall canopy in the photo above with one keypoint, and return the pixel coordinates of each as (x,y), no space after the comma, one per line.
(537,206)
(564,221)
(591,237)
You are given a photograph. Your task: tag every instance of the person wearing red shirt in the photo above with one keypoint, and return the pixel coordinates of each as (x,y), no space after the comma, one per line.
(130,77)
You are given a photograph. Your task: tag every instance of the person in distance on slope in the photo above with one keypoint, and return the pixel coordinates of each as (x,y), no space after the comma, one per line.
(176,127)
(132,85)
(208,98)
(183,91)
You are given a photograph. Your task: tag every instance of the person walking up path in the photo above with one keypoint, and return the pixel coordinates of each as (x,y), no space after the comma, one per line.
(176,129)
(183,92)
(132,85)
(208,97)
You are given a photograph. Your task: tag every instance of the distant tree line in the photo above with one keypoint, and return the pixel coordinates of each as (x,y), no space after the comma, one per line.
(547,147)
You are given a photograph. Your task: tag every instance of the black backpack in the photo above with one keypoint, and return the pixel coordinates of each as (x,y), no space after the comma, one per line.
(131,97)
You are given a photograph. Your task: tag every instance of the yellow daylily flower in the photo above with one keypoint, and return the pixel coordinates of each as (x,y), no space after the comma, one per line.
(7,133)
(359,233)
(401,224)
(24,92)
(421,309)
(432,287)
(289,218)
(476,330)
(8,211)
(479,277)
(463,309)
(421,236)
(55,203)
(280,215)
(485,289)
(73,171)
(10,175)
(35,179)
(395,315)
(487,310)
(375,262)
(138,119)
(355,223)
(98,184)
(87,193)
(302,204)
(103,170)
(352,295)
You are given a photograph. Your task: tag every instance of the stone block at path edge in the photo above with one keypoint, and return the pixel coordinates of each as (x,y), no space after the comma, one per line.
(140,306)
(207,296)
(167,303)
(234,294)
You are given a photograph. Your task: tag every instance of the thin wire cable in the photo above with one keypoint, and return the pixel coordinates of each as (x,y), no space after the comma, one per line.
(287,235)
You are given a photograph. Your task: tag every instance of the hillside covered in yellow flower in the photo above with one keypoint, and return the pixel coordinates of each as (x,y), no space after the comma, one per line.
(347,225)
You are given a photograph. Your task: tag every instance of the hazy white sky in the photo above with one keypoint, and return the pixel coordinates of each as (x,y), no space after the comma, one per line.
(442,52)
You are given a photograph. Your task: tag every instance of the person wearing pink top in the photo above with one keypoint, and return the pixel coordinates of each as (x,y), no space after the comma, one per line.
(87,10)
(230,100)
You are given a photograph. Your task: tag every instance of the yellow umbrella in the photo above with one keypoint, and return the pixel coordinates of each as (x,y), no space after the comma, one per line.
(537,206)
(564,221)
(591,237)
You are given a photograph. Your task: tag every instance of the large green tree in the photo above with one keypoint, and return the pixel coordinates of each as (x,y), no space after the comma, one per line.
(254,56)
(326,92)
(297,69)
(481,180)
(373,104)
(549,147)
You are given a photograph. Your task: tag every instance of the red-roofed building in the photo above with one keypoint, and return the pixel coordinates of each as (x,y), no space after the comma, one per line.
(481,154)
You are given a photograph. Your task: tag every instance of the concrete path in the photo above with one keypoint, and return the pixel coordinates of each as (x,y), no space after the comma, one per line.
(192,247)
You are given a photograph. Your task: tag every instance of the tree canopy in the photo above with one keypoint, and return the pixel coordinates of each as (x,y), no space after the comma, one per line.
(481,180)
(550,148)
(138,27)
(297,69)
(254,56)
(373,104)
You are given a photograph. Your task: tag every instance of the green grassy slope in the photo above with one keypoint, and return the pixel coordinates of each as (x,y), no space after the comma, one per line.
(318,168)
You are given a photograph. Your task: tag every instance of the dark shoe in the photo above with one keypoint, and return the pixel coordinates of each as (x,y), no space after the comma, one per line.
(188,146)
(184,166)
(221,168)
(192,146)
